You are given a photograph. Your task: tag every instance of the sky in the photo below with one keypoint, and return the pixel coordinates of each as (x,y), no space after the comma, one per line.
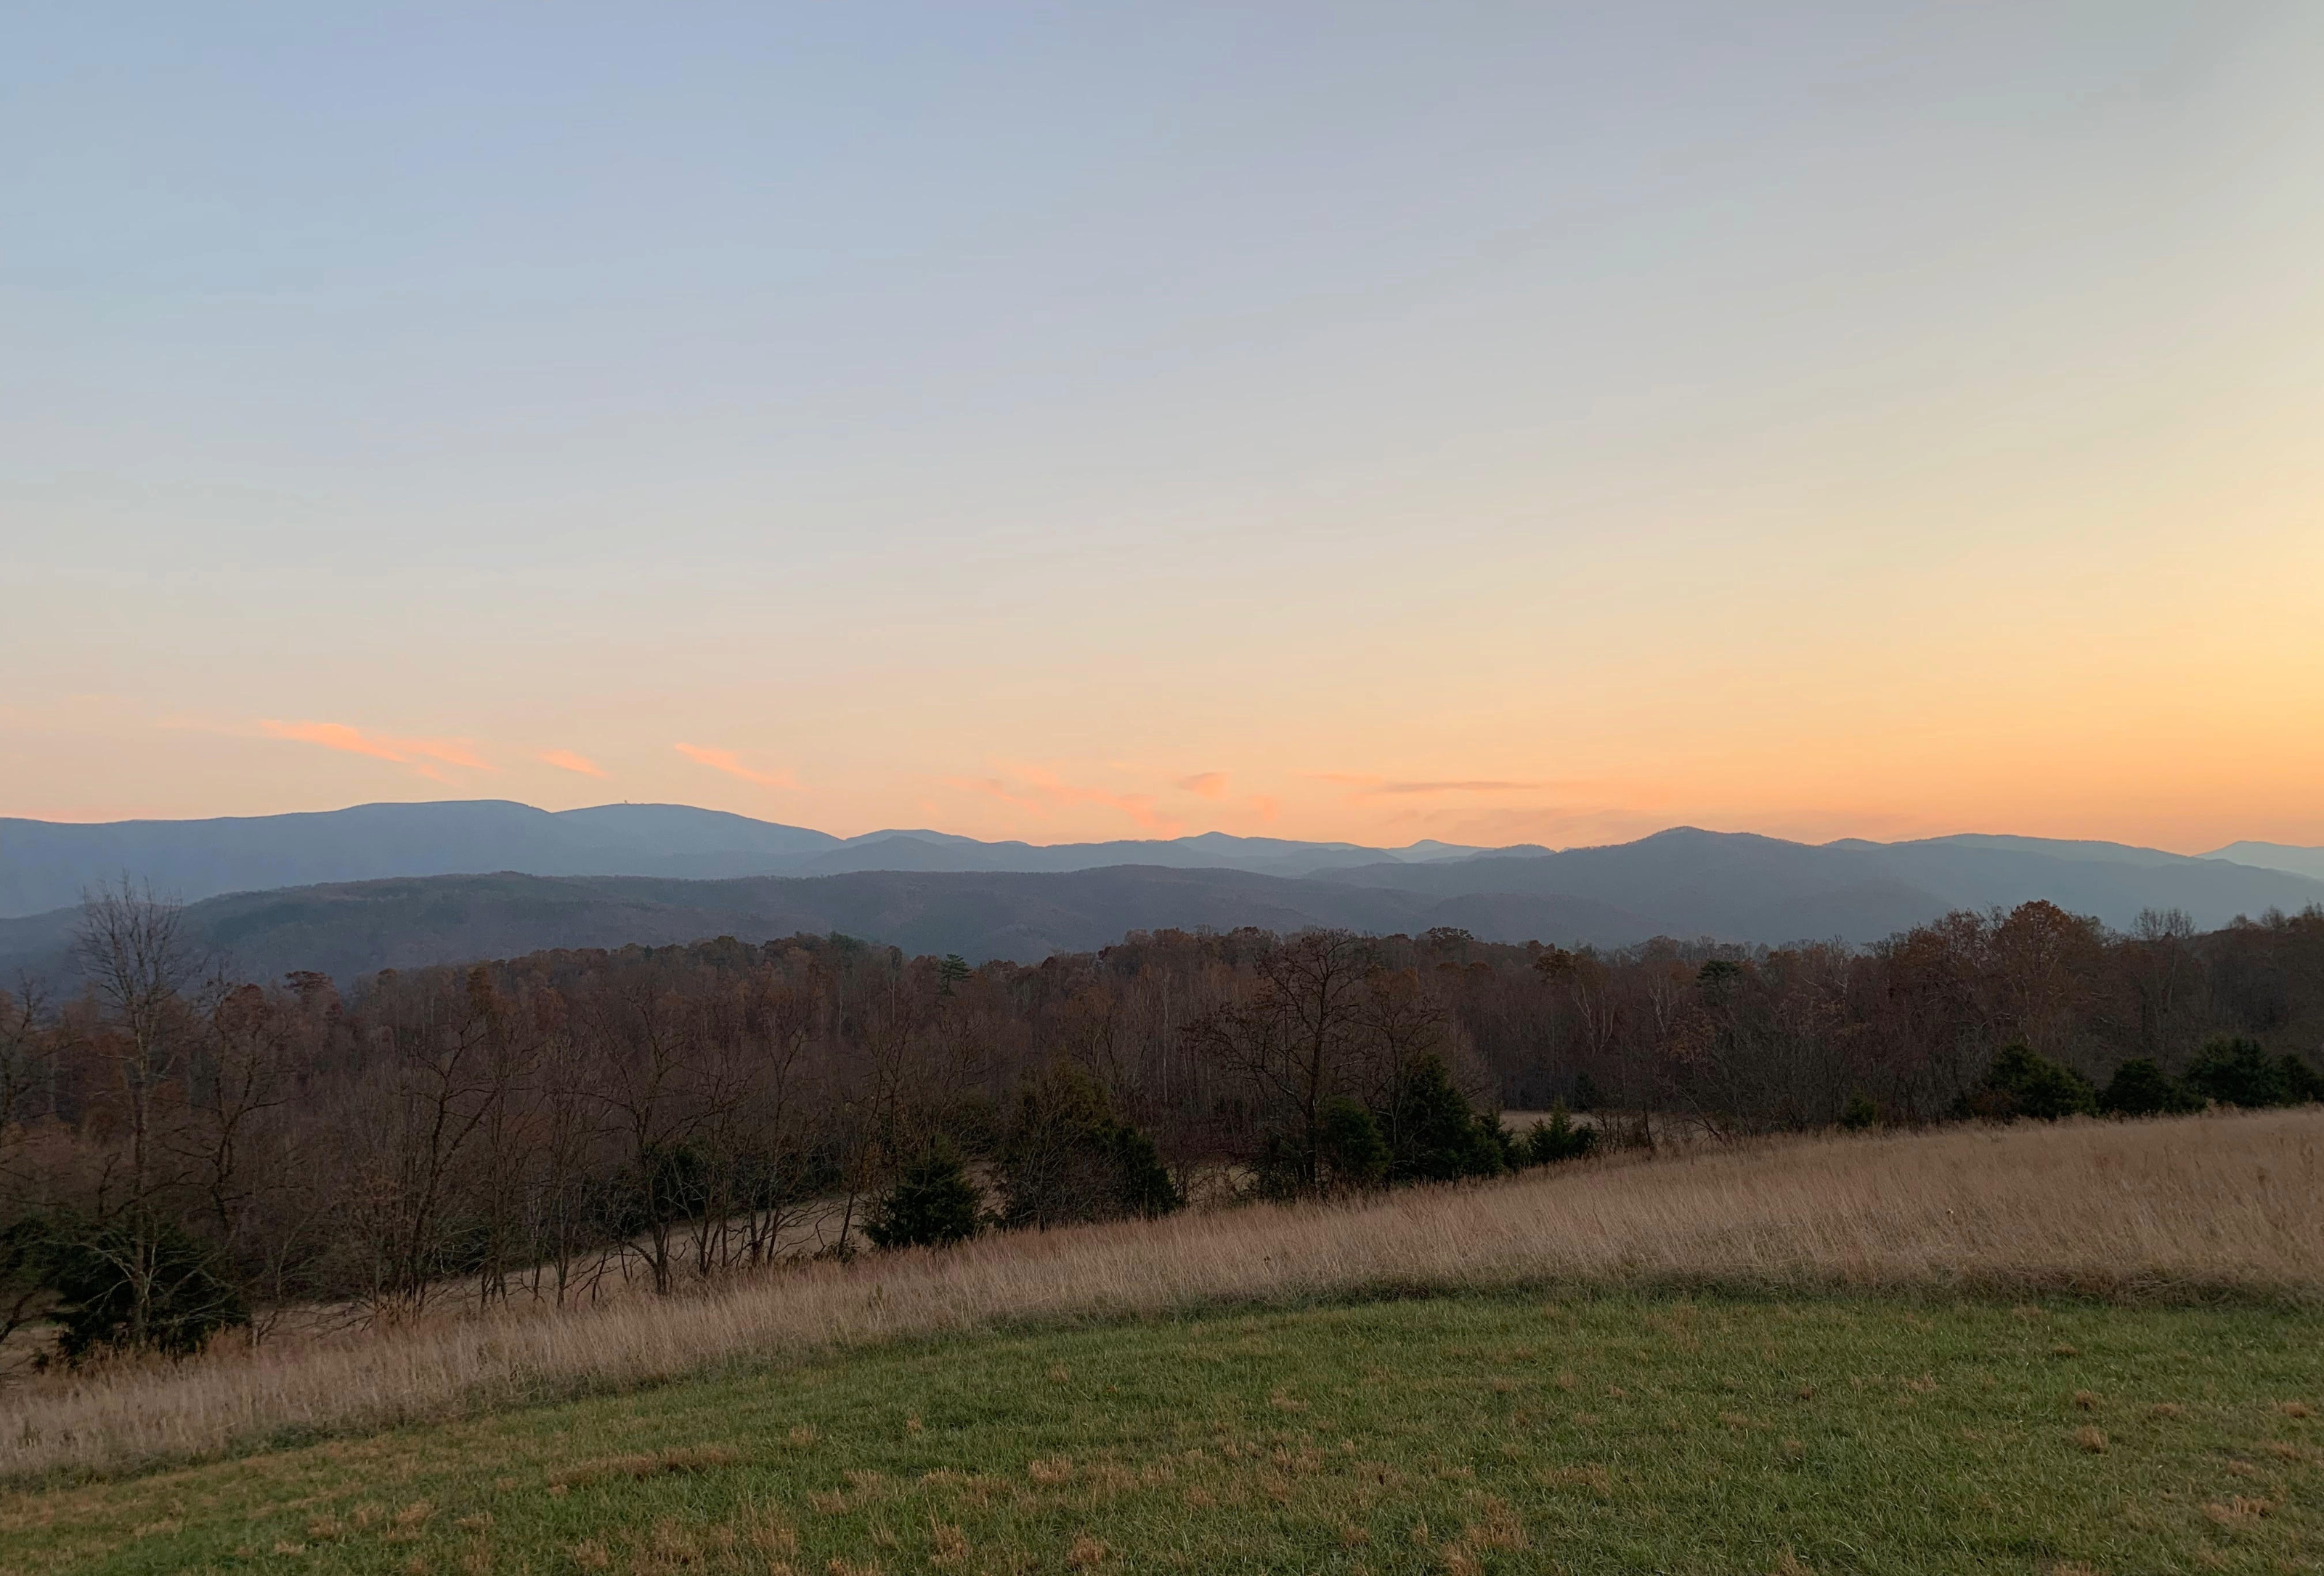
(1491,423)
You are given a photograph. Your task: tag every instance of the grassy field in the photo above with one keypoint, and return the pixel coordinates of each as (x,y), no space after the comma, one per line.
(2136,1213)
(1454,1433)
(2093,1348)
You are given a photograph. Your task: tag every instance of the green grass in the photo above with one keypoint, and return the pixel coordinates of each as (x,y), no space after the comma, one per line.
(1452,1434)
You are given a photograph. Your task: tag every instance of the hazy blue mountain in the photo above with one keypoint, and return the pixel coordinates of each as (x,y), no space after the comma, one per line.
(2282,856)
(928,850)
(358,928)
(1745,887)
(390,885)
(1690,883)
(46,864)
(2046,847)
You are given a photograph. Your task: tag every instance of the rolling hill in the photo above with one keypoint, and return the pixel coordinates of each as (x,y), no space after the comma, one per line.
(2284,856)
(49,864)
(1740,887)
(357,928)
(1684,882)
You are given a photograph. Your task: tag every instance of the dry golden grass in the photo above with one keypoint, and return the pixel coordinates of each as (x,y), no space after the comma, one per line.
(2140,1210)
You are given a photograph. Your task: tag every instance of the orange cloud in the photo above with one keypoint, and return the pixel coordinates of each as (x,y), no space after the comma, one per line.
(1367,786)
(1266,806)
(417,753)
(1041,791)
(1205,785)
(727,762)
(567,761)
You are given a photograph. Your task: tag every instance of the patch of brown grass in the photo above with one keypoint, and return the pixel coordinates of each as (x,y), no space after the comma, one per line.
(1495,1527)
(2238,1511)
(2130,1210)
(1592,1477)
(951,1544)
(700,1458)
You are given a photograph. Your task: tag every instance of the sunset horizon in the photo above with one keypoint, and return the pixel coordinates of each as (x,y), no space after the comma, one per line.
(1149,824)
(1365,788)
(1545,428)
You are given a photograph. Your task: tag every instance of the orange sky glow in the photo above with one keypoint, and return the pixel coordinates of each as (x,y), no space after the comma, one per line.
(1537,426)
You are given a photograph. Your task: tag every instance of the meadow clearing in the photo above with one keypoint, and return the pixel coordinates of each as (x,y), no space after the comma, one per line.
(2088,1347)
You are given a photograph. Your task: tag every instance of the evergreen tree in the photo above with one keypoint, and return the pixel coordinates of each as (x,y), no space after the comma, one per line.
(1142,1184)
(2234,1071)
(1558,1138)
(2022,1082)
(2141,1088)
(2302,1084)
(1354,1150)
(934,1202)
(1436,1135)
(1068,1157)
(89,1269)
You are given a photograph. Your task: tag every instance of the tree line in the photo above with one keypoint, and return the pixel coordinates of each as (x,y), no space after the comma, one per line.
(183,1151)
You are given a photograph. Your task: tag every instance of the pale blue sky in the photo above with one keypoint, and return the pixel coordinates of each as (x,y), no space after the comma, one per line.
(906,396)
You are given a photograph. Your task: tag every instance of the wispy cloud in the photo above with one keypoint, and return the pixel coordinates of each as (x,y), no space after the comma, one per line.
(568,760)
(427,757)
(1034,788)
(727,761)
(1266,808)
(1205,785)
(1472,786)
(1365,786)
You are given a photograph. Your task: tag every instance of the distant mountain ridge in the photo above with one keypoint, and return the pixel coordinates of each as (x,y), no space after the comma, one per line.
(1685,882)
(1742,886)
(2282,856)
(49,864)
(357,929)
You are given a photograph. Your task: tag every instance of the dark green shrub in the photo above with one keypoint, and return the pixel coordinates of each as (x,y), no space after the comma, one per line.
(931,1203)
(26,1293)
(2141,1088)
(1352,1147)
(1278,1169)
(1860,1113)
(96,1273)
(2022,1083)
(1068,1157)
(2233,1070)
(1142,1184)
(1508,1148)
(1433,1134)
(2302,1084)
(1558,1138)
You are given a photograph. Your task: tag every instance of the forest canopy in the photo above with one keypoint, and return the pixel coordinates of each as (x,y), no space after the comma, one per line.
(182,1151)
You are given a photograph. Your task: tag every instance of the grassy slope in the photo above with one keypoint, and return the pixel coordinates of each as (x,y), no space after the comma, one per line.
(1457,1433)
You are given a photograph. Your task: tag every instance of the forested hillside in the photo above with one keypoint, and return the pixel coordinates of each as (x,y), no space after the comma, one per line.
(532,1123)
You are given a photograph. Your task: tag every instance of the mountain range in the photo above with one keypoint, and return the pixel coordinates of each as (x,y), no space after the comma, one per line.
(349,892)
(49,864)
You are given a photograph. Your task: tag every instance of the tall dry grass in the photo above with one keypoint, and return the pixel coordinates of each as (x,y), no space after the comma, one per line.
(2213,1205)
